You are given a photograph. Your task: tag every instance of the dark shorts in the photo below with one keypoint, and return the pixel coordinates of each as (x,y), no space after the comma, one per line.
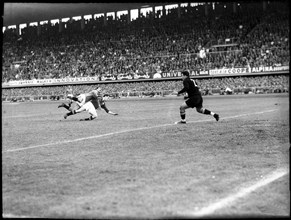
(95,103)
(195,101)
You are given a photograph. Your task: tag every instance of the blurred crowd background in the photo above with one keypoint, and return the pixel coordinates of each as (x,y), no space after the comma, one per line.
(149,45)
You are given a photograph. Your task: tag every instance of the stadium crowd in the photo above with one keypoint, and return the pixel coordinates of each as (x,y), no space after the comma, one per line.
(146,45)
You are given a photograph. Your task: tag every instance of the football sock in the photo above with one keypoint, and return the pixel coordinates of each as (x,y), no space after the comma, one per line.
(88,119)
(207,112)
(66,107)
(70,113)
(182,113)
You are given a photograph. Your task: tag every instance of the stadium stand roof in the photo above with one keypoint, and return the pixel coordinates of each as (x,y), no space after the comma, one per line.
(20,13)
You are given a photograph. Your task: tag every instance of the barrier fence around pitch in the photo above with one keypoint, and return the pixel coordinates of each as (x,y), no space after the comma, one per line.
(163,93)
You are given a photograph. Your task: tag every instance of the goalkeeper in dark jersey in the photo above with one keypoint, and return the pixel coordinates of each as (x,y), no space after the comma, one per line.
(194,99)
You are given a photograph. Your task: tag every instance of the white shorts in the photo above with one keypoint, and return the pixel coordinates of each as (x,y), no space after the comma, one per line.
(89,107)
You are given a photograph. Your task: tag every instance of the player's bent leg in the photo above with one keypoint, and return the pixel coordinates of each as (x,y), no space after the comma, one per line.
(93,114)
(62,105)
(202,110)
(65,106)
(92,117)
(73,111)
(73,108)
(207,112)
(91,110)
(183,108)
(69,113)
(81,109)
(88,119)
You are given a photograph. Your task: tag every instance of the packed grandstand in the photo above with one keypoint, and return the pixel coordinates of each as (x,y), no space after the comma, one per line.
(244,49)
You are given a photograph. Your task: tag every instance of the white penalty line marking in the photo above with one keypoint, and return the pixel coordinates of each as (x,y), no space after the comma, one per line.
(242,193)
(125,131)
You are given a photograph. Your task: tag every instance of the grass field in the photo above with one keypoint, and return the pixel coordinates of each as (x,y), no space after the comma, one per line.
(139,164)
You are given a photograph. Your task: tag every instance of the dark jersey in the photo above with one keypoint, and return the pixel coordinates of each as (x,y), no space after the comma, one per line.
(100,98)
(190,87)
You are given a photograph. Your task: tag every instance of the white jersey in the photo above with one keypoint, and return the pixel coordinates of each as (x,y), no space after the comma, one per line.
(89,97)
(89,107)
(85,106)
(81,99)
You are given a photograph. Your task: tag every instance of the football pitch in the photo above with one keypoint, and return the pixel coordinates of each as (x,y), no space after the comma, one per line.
(139,164)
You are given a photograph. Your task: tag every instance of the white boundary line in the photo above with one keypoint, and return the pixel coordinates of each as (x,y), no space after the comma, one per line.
(27,116)
(227,201)
(130,130)
(15,216)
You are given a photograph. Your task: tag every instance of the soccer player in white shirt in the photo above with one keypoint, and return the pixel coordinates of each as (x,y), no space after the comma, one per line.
(85,102)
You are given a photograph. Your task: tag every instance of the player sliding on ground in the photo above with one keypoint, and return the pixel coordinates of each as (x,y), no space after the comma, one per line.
(84,102)
(89,102)
(194,99)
